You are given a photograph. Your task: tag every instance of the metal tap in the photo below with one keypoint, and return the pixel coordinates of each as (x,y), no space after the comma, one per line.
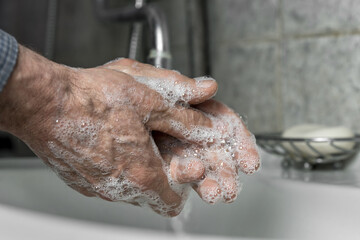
(159,54)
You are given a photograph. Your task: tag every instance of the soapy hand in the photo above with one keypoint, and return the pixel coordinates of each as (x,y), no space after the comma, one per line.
(212,167)
(101,143)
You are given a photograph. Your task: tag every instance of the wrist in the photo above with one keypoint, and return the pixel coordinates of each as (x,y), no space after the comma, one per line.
(29,95)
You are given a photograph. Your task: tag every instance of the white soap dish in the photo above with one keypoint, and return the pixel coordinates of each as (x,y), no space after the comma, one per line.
(309,151)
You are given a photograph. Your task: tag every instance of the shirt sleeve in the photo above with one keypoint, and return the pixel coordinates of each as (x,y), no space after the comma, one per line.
(8,56)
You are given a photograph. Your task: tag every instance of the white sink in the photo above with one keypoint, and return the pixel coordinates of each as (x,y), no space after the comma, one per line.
(35,204)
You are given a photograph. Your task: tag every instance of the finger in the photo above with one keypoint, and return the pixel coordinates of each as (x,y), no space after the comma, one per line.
(182,169)
(247,155)
(208,190)
(230,189)
(127,65)
(225,173)
(248,159)
(189,124)
(214,108)
(159,195)
(228,183)
(192,91)
(201,90)
(186,170)
(176,88)
(170,203)
(153,183)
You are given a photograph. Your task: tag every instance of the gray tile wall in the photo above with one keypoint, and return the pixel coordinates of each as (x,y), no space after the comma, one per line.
(285,62)
(303,17)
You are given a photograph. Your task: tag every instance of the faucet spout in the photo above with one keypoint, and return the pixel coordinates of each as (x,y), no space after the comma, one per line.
(159,54)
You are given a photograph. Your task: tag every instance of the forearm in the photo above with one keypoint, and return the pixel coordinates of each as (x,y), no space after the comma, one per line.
(31,88)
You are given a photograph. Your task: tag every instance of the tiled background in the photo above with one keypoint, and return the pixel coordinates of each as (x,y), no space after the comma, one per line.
(277,62)
(285,62)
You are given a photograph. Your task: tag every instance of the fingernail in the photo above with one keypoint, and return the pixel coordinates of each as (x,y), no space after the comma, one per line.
(202,78)
(205,83)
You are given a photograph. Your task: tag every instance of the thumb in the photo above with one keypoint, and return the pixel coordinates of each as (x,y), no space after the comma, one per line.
(203,89)
(199,89)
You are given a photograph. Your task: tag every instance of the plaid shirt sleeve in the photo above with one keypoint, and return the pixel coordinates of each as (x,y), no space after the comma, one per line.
(8,56)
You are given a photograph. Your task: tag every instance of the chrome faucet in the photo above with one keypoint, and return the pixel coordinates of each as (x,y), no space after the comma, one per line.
(159,54)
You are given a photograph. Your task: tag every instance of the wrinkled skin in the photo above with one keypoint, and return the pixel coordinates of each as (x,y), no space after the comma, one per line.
(95,124)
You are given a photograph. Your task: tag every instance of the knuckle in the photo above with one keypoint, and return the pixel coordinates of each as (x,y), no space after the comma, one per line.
(126,61)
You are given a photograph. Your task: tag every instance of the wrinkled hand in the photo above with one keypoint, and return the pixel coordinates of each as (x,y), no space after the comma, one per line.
(212,168)
(101,143)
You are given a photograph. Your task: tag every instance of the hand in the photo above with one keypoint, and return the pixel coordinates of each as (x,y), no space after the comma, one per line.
(212,168)
(92,126)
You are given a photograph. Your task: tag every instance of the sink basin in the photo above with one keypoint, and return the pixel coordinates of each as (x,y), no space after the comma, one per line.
(272,205)
(281,209)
